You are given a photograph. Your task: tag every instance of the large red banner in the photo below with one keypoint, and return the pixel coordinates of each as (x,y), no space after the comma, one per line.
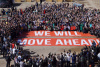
(57,38)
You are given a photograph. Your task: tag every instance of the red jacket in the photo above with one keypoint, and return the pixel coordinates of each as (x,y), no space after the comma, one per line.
(62,27)
(13,46)
(44,11)
(21,11)
(73,28)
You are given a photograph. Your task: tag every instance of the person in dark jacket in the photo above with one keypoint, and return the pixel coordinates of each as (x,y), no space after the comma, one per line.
(62,60)
(49,65)
(54,62)
(40,1)
(34,62)
(73,60)
(93,43)
(3,50)
(8,59)
(3,11)
(30,61)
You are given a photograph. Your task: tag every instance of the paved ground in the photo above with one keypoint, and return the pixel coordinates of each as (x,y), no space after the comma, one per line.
(53,49)
(90,3)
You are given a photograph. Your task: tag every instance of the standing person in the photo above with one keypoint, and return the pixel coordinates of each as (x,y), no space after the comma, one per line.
(12,8)
(15,62)
(73,60)
(30,61)
(41,2)
(82,61)
(34,62)
(54,61)
(62,27)
(82,7)
(93,43)
(4,39)
(98,55)
(44,11)
(21,63)
(3,50)
(92,61)
(3,12)
(49,65)
(13,45)
(68,60)
(13,50)
(17,45)
(77,61)
(36,4)
(1,41)
(8,59)
(62,60)
(87,63)
(19,57)
(81,27)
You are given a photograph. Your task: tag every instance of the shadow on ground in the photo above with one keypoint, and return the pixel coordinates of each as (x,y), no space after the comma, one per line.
(17,4)
(12,65)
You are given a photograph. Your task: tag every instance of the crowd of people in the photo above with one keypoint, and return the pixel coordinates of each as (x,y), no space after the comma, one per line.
(52,17)
(88,57)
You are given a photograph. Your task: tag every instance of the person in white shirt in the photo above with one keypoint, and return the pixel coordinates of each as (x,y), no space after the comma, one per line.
(65,58)
(15,61)
(21,63)
(68,60)
(68,27)
(67,53)
(68,57)
(11,51)
(98,55)
(19,58)
(14,50)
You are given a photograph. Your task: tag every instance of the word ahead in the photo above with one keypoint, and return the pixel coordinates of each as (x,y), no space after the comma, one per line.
(57,41)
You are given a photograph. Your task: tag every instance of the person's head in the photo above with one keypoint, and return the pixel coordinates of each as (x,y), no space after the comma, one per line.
(93,40)
(21,59)
(61,53)
(68,54)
